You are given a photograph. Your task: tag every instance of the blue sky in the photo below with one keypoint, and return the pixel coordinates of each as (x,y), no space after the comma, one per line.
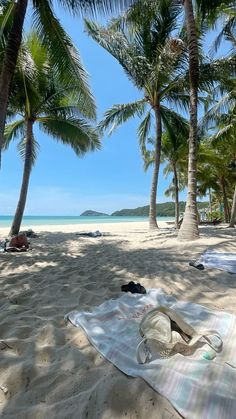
(107,180)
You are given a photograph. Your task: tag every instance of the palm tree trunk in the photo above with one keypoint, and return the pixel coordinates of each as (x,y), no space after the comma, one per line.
(25,181)
(189,227)
(176,183)
(233,210)
(225,201)
(210,204)
(9,61)
(153,198)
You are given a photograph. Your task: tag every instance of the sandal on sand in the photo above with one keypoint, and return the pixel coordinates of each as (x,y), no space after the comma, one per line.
(133,288)
(15,249)
(196,265)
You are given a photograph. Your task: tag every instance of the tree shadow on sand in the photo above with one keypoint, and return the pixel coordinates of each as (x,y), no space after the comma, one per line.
(52,370)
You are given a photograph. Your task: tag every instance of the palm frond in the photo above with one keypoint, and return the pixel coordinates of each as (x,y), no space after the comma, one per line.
(96,6)
(224,105)
(128,54)
(174,123)
(76,133)
(119,114)
(143,130)
(219,70)
(63,55)
(34,150)
(227,32)
(148,159)
(37,50)
(170,191)
(13,131)
(225,132)
(64,100)
(6,17)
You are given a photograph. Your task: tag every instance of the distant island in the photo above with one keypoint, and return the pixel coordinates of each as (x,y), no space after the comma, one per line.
(166,209)
(90,213)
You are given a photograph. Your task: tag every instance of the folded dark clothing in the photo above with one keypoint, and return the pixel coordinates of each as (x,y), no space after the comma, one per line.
(90,234)
(133,288)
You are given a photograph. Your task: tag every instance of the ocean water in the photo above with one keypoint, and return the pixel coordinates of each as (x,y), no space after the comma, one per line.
(37,220)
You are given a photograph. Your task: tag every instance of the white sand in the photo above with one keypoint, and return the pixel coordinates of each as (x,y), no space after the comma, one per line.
(51,371)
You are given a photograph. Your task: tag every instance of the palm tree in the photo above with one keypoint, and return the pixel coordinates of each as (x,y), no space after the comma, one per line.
(53,35)
(221,116)
(40,97)
(174,154)
(189,227)
(208,9)
(155,61)
(214,170)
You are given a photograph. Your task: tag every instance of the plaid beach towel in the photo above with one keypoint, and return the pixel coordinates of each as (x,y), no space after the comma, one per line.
(197,387)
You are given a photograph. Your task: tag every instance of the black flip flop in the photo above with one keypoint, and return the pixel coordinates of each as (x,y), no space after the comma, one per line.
(196,265)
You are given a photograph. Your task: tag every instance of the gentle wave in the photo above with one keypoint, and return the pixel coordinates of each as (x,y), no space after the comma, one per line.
(33,220)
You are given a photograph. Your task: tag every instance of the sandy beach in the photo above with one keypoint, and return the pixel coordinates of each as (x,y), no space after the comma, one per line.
(47,367)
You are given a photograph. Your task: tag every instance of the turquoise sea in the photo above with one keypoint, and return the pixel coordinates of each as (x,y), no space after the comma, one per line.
(37,220)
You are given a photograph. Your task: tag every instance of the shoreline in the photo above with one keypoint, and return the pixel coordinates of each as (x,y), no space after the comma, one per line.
(40,222)
(73,228)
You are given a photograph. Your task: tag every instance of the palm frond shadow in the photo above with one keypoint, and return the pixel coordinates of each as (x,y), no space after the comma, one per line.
(52,362)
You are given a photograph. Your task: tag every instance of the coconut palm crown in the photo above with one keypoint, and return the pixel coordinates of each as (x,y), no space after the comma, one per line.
(64,57)
(147,45)
(39,96)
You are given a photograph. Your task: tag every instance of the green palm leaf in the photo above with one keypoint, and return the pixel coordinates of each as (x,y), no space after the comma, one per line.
(174,122)
(65,100)
(5,18)
(71,131)
(96,6)
(119,114)
(143,131)
(64,57)
(35,147)
(129,55)
(13,131)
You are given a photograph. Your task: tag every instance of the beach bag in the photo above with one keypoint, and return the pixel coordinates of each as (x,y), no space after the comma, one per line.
(19,241)
(165,333)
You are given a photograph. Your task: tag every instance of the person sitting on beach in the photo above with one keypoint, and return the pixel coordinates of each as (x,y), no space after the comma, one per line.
(18,243)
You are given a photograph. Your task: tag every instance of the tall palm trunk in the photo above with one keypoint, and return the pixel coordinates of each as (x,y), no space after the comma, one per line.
(189,227)
(176,184)
(225,201)
(233,210)
(153,198)
(9,61)
(210,204)
(25,181)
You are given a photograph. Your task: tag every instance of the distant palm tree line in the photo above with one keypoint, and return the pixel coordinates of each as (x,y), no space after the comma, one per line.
(162,56)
